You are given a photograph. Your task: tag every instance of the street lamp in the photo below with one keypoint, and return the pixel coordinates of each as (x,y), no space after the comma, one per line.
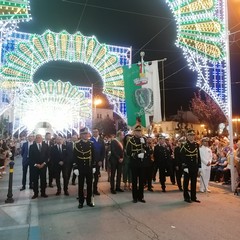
(96,101)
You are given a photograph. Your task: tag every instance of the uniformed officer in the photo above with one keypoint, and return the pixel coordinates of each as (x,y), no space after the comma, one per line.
(83,155)
(138,152)
(162,157)
(191,162)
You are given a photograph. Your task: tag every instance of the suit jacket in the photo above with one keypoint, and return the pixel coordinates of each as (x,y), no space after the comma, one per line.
(116,151)
(57,156)
(69,148)
(50,146)
(36,156)
(99,149)
(25,153)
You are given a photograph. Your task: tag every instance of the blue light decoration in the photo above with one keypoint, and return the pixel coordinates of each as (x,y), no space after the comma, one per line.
(202,34)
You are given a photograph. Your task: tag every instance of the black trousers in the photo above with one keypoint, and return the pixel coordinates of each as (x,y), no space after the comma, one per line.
(24,177)
(88,175)
(50,172)
(116,167)
(192,176)
(39,173)
(179,174)
(96,177)
(69,171)
(138,174)
(148,176)
(61,169)
(163,169)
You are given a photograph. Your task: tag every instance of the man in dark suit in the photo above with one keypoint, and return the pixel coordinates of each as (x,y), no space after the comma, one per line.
(49,142)
(25,162)
(59,160)
(38,157)
(116,160)
(84,158)
(70,146)
(99,148)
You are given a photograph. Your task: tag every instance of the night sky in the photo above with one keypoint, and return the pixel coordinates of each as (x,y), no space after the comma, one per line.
(145,25)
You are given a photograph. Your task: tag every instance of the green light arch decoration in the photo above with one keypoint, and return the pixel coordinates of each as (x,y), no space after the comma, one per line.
(22,64)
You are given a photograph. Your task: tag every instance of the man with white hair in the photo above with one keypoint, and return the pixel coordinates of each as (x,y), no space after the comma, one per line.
(206,159)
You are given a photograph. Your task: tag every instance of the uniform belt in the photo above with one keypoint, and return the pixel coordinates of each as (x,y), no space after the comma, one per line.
(191,155)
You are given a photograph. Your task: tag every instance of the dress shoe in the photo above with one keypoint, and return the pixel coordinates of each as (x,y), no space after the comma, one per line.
(96,193)
(180,189)
(58,193)
(134,201)
(73,183)
(208,190)
(187,200)
(163,190)
(34,196)
(141,200)
(150,190)
(66,193)
(23,188)
(119,190)
(50,185)
(44,195)
(113,191)
(195,200)
(80,205)
(90,204)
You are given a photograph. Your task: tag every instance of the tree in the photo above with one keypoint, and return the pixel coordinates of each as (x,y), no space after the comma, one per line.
(207,111)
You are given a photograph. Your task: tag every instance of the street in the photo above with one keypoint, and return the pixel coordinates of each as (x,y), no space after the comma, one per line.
(164,216)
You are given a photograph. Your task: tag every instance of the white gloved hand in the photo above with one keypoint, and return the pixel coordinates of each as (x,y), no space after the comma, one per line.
(185,170)
(76,172)
(141,155)
(94,170)
(199,170)
(142,140)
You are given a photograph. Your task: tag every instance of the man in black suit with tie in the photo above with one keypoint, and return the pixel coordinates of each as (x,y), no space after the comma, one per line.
(116,160)
(38,157)
(59,160)
(25,162)
(48,141)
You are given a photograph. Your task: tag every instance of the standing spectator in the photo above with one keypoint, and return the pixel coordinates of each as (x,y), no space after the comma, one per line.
(59,160)
(178,163)
(206,159)
(191,162)
(26,163)
(70,160)
(99,149)
(50,144)
(38,157)
(3,156)
(116,160)
(162,157)
(127,174)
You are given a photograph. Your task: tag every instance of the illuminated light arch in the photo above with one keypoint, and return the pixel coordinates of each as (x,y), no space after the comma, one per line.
(61,104)
(11,13)
(22,64)
(202,35)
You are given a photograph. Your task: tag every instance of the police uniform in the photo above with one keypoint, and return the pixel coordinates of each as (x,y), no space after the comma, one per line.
(191,161)
(134,147)
(83,154)
(162,157)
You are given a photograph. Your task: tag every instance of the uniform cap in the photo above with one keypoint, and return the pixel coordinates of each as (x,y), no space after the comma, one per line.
(161,136)
(182,139)
(84,130)
(205,139)
(190,132)
(138,128)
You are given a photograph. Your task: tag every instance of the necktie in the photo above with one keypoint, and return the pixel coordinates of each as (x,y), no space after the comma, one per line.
(59,148)
(40,147)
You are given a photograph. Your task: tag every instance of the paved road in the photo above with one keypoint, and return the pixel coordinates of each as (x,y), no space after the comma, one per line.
(165,216)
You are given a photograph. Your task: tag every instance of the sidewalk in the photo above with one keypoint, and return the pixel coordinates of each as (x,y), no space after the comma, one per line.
(164,216)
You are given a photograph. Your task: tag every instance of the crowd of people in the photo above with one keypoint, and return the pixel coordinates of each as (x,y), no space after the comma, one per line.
(133,162)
